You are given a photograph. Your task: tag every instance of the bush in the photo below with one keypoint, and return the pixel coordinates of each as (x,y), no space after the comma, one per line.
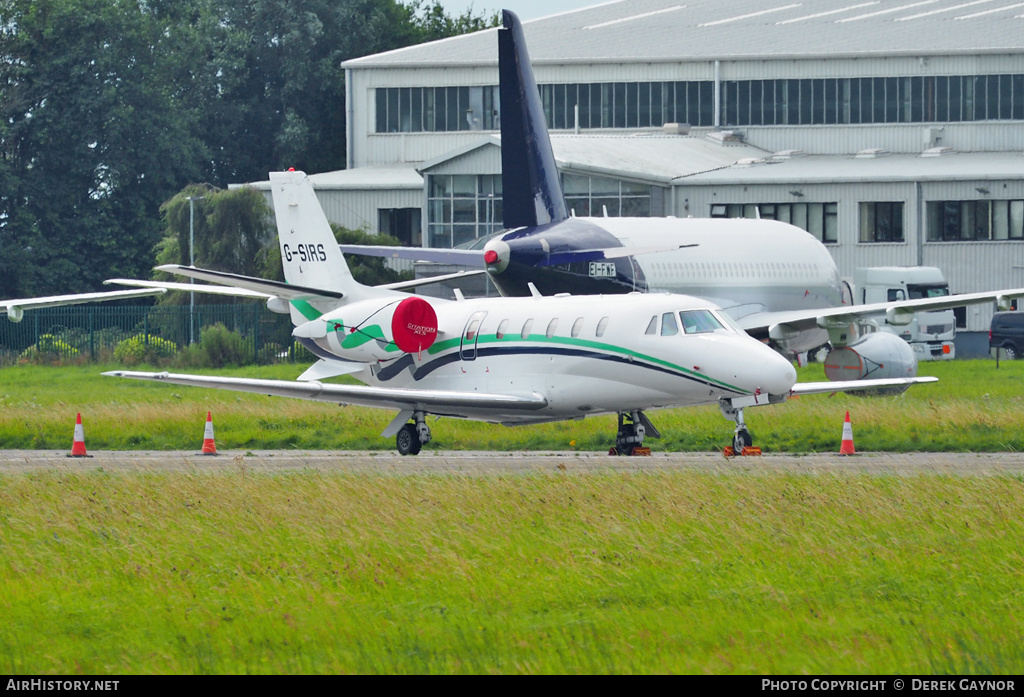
(218,347)
(49,350)
(144,349)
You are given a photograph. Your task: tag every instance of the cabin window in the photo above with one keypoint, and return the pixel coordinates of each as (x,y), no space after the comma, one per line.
(577,326)
(699,321)
(668,324)
(527,326)
(601,326)
(550,332)
(652,326)
(471,329)
(500,333)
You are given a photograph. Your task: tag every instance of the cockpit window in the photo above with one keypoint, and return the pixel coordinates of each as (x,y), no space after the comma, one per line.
(668,324)
(652,326)
(699,321)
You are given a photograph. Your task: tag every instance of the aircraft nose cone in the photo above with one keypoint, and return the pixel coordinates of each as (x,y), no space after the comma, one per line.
(496,255)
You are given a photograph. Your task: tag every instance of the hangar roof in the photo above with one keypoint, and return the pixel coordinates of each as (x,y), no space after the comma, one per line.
(944,165)
(702,30)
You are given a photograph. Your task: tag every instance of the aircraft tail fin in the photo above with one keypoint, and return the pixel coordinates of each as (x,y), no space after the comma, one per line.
(531,192)
(309,251)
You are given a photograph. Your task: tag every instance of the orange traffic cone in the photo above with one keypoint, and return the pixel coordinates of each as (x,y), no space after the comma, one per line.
(208,446)
(846,448)
(78,445)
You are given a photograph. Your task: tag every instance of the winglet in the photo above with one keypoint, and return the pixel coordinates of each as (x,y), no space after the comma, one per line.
(531,193)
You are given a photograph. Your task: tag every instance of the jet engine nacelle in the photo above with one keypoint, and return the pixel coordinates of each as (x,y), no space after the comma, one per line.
(15,313)
(875,355)
(368,332)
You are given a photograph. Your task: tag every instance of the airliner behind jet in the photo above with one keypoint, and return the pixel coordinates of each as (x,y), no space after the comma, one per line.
(776,281)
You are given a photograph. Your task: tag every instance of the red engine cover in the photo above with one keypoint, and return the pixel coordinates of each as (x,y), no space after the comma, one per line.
(414,325)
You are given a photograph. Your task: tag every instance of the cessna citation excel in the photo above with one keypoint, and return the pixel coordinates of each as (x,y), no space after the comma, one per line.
(518,360)
(775,281)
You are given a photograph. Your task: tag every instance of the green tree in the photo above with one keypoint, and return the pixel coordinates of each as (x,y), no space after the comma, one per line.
(94,138)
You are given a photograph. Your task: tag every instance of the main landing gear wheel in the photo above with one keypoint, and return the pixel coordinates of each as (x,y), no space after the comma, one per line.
(413,436)
(408,441)
(630,437)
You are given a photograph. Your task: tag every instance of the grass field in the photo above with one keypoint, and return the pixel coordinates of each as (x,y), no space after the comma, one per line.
(310,571)
(611,573)
(975,407)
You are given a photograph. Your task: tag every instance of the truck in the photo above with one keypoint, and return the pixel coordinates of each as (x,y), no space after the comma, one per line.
(930,334)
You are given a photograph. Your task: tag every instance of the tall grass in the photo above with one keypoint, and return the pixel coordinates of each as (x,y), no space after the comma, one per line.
(603,573)
(974,407)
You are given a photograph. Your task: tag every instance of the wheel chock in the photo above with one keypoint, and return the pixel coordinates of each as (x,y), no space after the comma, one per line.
(642,452)
(729,451)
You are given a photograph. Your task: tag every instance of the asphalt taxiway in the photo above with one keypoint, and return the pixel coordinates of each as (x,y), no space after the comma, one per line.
(491,463)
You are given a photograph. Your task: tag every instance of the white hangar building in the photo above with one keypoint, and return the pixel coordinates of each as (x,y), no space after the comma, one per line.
(892,130)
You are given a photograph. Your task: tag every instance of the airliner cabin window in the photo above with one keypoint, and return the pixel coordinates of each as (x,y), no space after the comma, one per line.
(699,322)
(577,326)
(527,326)
(652,326)
(500,333)
(601,326)
(668,324)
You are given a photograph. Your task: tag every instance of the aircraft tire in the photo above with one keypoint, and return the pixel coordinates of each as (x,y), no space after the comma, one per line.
(408,441)
(742,439)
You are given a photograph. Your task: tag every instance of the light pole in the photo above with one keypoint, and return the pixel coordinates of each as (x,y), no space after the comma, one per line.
(192,262)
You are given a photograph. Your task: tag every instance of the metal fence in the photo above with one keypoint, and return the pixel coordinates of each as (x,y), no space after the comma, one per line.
(93,332)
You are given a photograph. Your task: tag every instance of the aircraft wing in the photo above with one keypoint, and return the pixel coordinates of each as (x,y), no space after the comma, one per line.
(462,257)
(435,401)
(15,308)
(900,312)
(416,282)
(802,388)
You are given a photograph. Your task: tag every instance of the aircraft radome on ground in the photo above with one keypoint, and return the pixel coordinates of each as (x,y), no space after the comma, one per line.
(517,360)
(15,308)
(776,281)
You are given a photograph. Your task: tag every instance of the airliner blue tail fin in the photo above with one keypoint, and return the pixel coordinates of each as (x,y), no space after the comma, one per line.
(531,193)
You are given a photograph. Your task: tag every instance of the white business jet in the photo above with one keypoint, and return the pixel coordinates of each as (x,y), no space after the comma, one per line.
(517,360)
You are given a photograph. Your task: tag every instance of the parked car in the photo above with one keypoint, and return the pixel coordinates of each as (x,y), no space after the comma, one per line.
(1007,333)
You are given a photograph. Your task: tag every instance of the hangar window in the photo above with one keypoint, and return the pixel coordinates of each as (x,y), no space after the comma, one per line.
(952,221)
(462,208)
(881,221)
(596,196)
(819,219)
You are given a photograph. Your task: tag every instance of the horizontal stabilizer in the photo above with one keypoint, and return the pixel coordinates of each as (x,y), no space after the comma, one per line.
(461,257)
(260,285)
(585,255)
(189,287)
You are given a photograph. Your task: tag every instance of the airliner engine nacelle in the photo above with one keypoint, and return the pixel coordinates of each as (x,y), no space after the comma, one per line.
(15,313)
(875,355)
(368,332)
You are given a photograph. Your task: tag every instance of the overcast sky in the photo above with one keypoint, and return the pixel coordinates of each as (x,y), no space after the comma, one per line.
(524,9)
